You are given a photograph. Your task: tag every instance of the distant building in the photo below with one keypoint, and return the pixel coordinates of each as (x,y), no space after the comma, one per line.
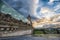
(8,23)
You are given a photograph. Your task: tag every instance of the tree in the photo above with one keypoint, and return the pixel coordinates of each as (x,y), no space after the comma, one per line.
(7,15)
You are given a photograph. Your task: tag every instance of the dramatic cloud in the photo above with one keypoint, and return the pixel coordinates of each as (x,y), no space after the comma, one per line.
(48,23)
(37,9)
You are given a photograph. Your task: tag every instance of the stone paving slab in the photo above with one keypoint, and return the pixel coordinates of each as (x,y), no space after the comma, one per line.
(28,38)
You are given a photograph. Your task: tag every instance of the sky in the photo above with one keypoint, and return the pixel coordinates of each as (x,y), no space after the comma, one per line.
(8,10)
(46,8)
(36,8)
